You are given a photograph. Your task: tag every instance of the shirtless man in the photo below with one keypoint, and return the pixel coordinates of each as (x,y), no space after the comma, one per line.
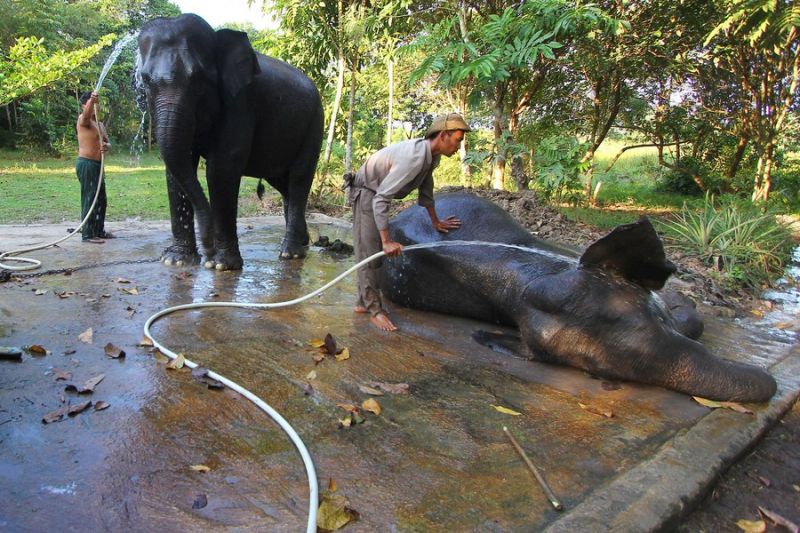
(92,142)
(390,173)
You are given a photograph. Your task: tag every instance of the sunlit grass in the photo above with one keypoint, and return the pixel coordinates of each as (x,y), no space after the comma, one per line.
(40,189)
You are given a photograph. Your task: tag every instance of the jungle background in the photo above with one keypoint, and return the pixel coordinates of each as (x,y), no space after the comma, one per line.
(685,110)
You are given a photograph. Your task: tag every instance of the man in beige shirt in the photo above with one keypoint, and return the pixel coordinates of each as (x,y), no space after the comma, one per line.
(392,173)
(92,143)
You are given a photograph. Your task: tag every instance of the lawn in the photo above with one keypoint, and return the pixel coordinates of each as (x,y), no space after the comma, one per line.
(43,189)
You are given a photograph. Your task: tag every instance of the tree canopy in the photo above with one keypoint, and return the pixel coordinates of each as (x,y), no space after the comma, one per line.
(713,86)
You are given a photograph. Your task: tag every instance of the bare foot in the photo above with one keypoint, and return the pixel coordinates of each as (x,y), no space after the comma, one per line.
(381,321)
(360,309)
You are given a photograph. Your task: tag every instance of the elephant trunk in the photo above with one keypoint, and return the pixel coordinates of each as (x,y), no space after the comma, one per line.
(704,375)
(175,125)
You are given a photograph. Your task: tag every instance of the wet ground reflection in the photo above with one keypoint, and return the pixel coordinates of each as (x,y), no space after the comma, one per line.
(434,460)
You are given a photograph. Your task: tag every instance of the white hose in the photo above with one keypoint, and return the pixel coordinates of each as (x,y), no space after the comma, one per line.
(313,488)
(32,264)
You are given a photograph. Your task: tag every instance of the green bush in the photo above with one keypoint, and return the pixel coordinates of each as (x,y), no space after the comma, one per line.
(681,179)
(746,245)
(558,163)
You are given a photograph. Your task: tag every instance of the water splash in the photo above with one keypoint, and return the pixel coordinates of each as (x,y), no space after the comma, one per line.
(538,251)
(112,58)
(138,143)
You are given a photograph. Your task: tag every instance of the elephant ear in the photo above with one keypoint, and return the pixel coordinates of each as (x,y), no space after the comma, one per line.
(236,60)
(633,251)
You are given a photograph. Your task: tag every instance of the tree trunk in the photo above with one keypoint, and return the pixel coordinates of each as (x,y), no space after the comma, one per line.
(738,155)
(348,153)
(499,166)
(337,100)
(390,114)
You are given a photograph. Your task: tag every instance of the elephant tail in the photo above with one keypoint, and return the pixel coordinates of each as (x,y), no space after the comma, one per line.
(260,189)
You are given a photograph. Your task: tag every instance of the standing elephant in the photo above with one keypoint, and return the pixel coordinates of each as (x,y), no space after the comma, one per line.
(598,312)
(211,95)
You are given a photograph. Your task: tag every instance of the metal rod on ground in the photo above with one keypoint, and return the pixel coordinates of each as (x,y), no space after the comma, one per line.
(550,496)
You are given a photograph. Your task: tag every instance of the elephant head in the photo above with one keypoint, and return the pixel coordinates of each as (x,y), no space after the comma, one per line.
(186,71)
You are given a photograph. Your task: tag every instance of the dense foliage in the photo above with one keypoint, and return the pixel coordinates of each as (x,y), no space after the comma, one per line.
(711,87)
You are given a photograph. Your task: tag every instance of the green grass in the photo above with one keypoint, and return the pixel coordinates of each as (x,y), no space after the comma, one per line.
(41,189)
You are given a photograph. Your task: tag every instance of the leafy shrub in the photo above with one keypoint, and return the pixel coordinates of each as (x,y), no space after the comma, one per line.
(558,163)
(748,246)
(681,179)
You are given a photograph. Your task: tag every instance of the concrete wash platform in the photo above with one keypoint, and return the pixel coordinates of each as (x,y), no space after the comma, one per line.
(436,459)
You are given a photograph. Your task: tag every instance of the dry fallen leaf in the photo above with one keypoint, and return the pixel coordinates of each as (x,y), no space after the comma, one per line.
(347,406)
(345,422)
(200,468)
(55,416)
(595,411)
(370,390)
(778,520)
(132,291)
(114,352)
(739,408)
(37,349)
(505,410)
(201,374)
(783,325)
(330,344)
(61,375)
(752,526)
(177,363)
(78,408)
(86,336)
(87,387)
(122,280)
(391,388)
(343,355)
(146,341)
(312,375)
(39,292)
(334,512)
(316,343)
(318,358)
(372,406)
(101,405)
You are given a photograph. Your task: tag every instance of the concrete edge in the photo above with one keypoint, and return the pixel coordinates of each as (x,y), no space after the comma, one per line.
(657,493)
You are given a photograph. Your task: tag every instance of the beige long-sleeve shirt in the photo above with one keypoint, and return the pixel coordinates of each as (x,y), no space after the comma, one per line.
(394,171)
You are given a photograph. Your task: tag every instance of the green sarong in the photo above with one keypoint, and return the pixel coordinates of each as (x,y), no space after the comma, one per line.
(88,171)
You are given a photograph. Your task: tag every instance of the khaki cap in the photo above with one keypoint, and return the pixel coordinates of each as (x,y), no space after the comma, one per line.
(447,122)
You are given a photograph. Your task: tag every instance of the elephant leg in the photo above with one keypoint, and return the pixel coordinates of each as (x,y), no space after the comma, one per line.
(295,196)
(183,249)
(223,190)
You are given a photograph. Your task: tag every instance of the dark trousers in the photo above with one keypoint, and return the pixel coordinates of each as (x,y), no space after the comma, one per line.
(367,241)
(88,171)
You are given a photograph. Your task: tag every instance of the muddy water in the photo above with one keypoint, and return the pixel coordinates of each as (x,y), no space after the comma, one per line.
(434,460)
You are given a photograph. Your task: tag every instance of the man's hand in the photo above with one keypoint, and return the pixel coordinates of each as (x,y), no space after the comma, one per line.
(443,226)
(392,248)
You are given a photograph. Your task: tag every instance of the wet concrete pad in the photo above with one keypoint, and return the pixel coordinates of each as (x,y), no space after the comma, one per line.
(435,459)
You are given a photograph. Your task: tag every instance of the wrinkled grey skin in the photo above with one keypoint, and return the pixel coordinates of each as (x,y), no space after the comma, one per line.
(212,96)
(598,312)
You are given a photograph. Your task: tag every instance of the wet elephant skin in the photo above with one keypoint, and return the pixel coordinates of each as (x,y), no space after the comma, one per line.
(599,312)
(212,96)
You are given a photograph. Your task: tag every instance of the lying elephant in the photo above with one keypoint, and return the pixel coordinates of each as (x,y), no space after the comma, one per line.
(597,312)
(211,95)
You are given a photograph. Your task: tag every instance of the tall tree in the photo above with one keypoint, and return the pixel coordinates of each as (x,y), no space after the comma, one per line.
(759,40)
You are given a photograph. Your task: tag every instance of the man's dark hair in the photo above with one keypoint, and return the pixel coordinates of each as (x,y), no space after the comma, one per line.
(85,97)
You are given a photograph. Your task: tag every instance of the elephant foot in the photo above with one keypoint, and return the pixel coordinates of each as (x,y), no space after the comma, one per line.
(292,251)
(180,255)
(225,261)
